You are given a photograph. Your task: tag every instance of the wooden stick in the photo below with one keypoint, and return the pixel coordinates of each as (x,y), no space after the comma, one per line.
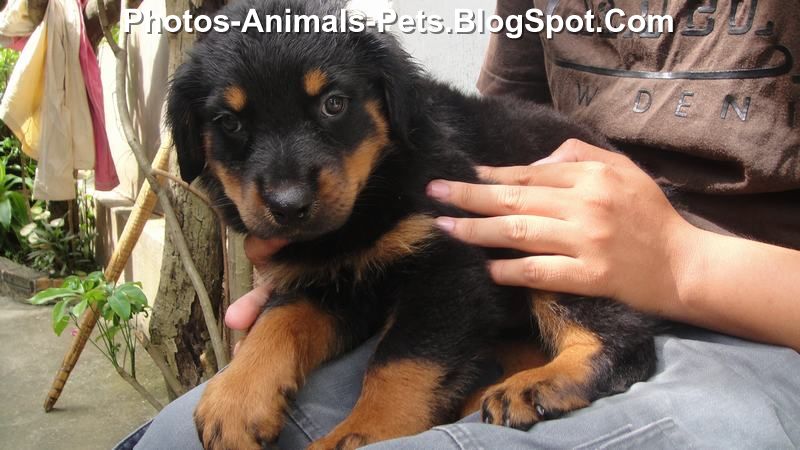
(151,193)
(142,210)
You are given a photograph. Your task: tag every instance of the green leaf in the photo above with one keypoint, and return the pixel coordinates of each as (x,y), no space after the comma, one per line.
(120,306)
(60,317)
(134,294)
(27,229)
(96,295)
(107,312)
(72,282)
(96,277)
(5,213)
(48,295)
(112,332)
(19,207)
(12,181)
(80,308)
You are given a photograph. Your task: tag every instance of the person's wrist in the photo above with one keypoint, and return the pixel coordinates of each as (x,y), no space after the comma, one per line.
(689,258)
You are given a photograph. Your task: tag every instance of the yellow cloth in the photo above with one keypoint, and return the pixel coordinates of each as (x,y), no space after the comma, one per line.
(45,103)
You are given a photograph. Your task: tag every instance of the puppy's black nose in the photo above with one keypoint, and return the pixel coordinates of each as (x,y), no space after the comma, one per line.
(289,205)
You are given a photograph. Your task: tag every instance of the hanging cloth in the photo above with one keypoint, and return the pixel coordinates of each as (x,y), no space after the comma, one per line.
(105,176)
(46,105)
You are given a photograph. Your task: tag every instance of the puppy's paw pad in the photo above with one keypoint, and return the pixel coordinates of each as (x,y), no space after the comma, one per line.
(229,417)
(521,405)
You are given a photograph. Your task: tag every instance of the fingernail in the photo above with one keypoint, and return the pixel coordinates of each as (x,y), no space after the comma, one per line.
(439,190)
(446,224)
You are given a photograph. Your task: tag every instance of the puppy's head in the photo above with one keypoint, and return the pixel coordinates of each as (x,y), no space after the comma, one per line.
(286,129)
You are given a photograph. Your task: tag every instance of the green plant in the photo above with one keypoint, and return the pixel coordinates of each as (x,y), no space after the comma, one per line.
(87,229)
(14,214)
(118,307)
(8,58)
(53,249)
(14,160)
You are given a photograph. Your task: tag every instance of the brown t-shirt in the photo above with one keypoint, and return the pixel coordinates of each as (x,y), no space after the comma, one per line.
(712,109)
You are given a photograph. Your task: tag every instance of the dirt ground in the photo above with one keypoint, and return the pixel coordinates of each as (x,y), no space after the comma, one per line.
(95,410)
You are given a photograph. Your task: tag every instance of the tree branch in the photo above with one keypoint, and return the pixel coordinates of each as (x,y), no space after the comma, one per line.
(104,25)
(161,362)
(140,389)
(173,226)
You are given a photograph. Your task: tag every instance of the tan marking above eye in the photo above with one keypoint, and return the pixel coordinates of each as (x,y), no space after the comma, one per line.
(236,98)
(314,81)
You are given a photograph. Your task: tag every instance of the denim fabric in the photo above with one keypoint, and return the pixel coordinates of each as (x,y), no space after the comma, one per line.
(710,391)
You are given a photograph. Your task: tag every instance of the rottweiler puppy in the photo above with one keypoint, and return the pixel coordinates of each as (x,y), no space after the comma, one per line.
(328,141)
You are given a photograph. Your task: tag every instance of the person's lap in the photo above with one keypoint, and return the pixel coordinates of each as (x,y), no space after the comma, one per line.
(710,391)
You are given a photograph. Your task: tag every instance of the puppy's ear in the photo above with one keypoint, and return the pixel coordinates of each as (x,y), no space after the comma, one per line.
(185,121)
(399,75)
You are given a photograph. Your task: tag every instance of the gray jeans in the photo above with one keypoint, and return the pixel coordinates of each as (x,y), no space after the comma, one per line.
(710,391)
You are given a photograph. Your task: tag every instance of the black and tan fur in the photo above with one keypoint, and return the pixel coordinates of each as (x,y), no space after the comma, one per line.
(250,116)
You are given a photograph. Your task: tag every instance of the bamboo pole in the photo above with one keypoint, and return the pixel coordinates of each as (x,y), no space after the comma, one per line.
(142,210)
(154,193)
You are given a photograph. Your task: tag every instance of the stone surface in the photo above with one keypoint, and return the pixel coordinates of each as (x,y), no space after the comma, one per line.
(95,410)
(20,282)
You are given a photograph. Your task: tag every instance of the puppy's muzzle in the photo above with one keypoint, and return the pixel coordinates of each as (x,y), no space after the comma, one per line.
(289,205)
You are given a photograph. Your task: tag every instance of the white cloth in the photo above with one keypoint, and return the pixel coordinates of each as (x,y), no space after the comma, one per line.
(45,103)
(15,21)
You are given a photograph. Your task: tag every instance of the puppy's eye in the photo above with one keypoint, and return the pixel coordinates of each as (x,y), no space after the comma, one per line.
(229,123)
(334,105)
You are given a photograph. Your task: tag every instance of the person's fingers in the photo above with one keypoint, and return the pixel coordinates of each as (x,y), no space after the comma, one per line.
(562,176)
(555,175)
(548,273)
(574,150)
(243,313)
(497,200)
(532,234)
(258,251)
(236,347)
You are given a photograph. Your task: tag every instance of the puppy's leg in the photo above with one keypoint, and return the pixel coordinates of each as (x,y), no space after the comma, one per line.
(398,399)
(242,407)
(513,356)
(409,388)
(598,348)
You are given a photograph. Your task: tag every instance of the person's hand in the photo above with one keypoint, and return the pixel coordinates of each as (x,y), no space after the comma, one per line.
(242,313)
(593,222)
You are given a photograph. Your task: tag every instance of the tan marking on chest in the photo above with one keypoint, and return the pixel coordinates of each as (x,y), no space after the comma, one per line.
(408,237)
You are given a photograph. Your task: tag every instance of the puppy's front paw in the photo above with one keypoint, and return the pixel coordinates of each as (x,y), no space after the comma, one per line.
(333,441)
(238,412)
(527,398)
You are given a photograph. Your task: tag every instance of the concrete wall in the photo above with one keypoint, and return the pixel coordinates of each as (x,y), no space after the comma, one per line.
(453,58)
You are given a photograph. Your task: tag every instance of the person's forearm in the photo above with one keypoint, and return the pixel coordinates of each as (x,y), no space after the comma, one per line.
(741,287)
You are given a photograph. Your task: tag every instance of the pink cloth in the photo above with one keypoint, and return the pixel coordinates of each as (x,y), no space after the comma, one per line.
(105,173)
(18,43)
